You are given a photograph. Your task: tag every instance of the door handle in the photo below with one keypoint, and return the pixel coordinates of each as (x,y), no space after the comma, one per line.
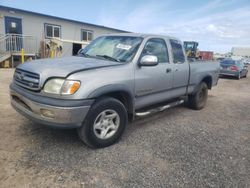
(168,70)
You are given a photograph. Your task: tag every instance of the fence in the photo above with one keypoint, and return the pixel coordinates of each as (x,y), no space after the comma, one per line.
(13,43)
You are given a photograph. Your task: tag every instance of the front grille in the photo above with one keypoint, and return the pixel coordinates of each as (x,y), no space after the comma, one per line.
(27,79)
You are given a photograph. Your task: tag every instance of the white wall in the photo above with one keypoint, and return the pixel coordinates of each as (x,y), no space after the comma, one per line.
(237,51)
(34,25)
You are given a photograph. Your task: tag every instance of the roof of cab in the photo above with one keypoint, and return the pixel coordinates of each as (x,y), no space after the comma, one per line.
(143,35)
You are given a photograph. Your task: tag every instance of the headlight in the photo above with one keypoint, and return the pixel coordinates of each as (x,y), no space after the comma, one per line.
(61,86)
(54,86)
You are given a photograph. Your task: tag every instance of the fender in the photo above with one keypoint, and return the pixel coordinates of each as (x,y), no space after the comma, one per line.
(207,79)
(112,88)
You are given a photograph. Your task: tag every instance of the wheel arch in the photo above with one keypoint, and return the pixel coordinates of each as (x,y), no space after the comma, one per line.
(119,92)
(208,80)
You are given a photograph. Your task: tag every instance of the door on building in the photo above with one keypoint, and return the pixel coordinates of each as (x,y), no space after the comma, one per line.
(14,26)
(76,48)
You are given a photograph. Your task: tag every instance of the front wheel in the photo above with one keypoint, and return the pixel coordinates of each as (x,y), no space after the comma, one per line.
(198,100)
(104,124)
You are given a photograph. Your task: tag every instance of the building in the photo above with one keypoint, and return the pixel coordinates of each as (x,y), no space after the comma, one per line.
(241,51)
(40,35)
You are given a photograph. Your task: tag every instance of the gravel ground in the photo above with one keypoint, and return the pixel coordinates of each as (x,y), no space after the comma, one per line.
(176,148)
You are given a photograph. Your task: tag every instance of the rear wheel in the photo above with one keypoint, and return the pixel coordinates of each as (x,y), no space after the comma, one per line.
(239,77)
(104,124)
(198,100)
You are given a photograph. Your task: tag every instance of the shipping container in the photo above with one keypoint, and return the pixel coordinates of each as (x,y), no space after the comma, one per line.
(206,55)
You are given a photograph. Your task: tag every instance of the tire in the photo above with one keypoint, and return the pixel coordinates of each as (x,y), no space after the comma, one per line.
(104,124)
(198,100)
(239,77)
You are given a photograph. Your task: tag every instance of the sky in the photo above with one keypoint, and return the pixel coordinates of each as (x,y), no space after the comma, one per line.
(218,25)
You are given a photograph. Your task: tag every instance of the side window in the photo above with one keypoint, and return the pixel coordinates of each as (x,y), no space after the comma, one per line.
(177,51)
(157,47)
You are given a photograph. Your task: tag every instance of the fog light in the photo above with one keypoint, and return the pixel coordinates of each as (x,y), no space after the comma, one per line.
(47,113)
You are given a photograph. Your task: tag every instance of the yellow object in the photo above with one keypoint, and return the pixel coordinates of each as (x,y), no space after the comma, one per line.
(70,87)
(74,87)
(6,64)
(52,54)
(22,55)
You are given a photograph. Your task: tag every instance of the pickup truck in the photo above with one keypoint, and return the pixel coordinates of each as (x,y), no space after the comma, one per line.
(112,80)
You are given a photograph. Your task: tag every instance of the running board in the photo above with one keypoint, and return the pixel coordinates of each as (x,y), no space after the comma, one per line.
(159,109)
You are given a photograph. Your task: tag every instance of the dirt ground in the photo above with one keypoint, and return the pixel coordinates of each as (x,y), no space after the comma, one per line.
(176,148)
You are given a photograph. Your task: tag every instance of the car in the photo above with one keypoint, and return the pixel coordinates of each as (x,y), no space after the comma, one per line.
(114,79)
(235,68)
(246,61)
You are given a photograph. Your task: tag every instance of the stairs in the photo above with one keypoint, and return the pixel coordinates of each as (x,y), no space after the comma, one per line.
(3,57)
(11,45)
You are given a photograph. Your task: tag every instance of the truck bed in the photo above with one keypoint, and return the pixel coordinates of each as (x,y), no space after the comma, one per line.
(198,70)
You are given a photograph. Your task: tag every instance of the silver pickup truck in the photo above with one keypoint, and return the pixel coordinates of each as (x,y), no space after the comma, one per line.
(112,80)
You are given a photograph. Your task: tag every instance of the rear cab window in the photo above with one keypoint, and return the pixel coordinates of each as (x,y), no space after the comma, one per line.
(177,51)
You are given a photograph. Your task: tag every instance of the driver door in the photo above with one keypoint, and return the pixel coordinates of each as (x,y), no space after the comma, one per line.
(153,83)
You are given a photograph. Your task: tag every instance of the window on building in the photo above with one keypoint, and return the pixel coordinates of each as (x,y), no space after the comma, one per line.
(87,35)
(52,31)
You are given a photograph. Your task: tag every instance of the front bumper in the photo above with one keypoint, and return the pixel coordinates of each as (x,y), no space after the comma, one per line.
(67,116)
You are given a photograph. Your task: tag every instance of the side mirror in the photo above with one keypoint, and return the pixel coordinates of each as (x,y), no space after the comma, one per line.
(149,60)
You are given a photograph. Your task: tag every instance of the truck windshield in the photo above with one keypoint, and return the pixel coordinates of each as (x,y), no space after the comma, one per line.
(113,48)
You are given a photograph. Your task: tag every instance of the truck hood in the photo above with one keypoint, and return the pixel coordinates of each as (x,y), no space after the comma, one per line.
(62,67)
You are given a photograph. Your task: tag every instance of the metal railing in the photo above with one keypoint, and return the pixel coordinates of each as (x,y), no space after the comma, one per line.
(3,44)
(13,43)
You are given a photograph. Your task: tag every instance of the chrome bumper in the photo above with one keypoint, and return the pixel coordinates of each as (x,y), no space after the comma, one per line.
(56,116)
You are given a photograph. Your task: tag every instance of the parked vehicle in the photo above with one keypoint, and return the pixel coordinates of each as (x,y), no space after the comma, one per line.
(220,58)
(114,79)
(235,68)
(246,61)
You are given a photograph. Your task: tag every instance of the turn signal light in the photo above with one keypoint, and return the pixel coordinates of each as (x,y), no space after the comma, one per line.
(74,87)
(70,87)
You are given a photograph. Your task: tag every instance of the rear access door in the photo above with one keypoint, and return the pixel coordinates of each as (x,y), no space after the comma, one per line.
(181,69)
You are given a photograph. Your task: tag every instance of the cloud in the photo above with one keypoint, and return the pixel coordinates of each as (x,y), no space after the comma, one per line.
(136,18)
(216,25)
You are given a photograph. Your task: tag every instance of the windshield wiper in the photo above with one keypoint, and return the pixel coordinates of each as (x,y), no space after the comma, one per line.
(109,58)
